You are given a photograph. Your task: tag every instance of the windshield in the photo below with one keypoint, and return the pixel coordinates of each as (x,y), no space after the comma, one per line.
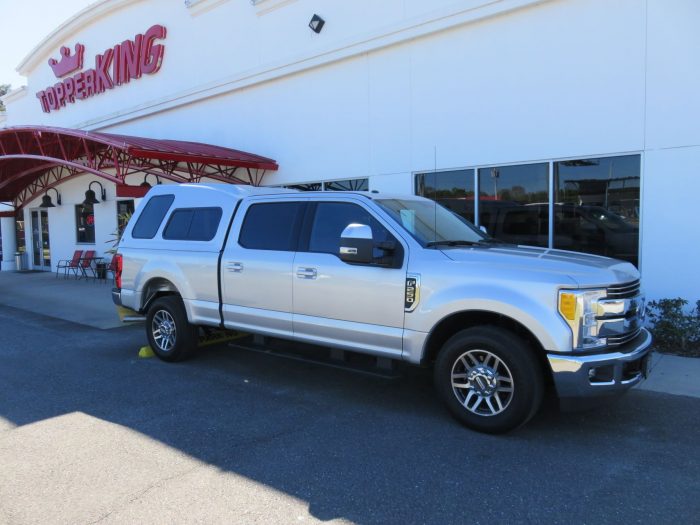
(431,224)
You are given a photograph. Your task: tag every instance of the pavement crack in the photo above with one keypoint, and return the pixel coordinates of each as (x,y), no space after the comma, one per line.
(138,495)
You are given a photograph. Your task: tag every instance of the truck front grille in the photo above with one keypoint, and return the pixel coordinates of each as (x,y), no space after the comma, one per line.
(624,291)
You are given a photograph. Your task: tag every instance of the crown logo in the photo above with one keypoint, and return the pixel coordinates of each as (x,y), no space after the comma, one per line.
(68,63)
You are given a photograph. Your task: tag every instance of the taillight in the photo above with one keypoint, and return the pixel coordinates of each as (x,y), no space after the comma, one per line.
(118,270)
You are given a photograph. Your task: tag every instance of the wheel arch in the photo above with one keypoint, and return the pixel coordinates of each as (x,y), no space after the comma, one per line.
(155,288)
(458,321)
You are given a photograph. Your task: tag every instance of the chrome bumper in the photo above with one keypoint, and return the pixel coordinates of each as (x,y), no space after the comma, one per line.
(116,296)
(582,379)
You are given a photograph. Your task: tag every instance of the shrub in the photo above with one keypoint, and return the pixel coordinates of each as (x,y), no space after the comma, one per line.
(675,329)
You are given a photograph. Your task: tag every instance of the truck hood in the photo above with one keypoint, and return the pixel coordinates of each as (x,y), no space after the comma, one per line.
(584,269)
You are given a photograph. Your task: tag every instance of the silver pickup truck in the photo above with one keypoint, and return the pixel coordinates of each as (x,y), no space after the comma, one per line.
(394,276)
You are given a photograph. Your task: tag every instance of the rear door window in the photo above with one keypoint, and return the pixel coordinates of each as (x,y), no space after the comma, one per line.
(152,216)
(272,226)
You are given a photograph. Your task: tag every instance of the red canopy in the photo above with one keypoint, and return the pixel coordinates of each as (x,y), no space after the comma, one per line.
(36,158)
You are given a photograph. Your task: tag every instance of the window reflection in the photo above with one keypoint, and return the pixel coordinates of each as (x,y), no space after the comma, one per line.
(597,206)
(452,189)
(513,203)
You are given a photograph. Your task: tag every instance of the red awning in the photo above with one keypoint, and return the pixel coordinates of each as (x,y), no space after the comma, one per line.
(35,158)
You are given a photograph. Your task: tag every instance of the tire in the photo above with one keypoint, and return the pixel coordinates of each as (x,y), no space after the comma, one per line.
(170,335)
(489,379)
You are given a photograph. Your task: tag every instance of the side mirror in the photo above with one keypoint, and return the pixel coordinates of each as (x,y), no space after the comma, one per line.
(356,244)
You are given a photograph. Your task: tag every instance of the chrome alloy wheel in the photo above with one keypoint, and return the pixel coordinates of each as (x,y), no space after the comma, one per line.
(164,331)
(482,382)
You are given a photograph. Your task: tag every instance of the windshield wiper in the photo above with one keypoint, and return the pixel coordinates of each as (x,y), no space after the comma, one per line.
(451,243)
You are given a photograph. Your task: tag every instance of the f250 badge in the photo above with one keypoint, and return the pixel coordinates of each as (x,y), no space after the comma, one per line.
(412,291)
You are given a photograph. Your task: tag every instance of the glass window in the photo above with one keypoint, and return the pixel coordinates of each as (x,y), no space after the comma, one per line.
(125,209)
(431,224)
(331,218)
(308,186)
(194,224)
(597,206)
(453,189)
(85,223)
(151,216)
(347,185)
(513,203)
(272,226)
(19,232)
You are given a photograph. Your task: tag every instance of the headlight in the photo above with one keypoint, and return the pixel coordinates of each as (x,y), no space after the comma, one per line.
(579,308)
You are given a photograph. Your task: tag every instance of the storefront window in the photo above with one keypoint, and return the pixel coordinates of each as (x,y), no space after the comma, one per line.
(514,203)
(597,206)
(19,232)
(85,224)
(347,185)
(125,209)
(452,189)
(308,186)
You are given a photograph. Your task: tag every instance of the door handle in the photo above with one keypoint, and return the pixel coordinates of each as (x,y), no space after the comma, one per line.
(234,267)
(307,273)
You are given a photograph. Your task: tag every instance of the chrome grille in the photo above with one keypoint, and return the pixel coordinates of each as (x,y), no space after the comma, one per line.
(622,339)
(624,291)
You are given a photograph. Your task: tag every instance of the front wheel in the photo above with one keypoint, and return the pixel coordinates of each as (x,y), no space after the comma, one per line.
(170,335)
(489,379)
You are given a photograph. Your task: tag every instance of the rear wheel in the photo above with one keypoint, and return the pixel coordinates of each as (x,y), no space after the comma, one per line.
(170,335)
(489,379)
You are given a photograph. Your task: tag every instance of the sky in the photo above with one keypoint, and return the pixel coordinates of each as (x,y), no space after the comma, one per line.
(23,24)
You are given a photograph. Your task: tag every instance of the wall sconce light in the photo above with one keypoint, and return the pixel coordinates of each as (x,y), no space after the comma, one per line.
(316,23)
(145,183)
(46,199)
(90,197)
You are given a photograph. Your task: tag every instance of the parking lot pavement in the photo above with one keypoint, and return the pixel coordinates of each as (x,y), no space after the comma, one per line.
(90,433)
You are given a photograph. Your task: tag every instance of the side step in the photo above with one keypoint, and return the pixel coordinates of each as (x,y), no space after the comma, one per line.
(382,367)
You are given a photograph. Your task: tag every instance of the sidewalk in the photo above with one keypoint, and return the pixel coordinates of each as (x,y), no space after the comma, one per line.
(90,303)
(84,301)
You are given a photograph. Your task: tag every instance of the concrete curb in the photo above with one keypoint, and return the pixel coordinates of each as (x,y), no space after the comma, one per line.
(672,374)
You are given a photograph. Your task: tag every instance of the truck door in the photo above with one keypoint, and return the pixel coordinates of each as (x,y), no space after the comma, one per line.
(352,306)
(257,267)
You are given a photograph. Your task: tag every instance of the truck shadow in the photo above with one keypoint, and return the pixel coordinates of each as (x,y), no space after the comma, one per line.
(355,447)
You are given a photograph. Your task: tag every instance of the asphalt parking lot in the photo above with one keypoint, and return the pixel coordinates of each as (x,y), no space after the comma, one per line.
(90,433)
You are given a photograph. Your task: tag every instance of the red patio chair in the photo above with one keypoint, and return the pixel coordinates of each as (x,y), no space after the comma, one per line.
(70,264)
(111,268)
(86,264)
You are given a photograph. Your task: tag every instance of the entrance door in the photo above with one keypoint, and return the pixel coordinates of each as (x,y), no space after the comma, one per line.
(41,246)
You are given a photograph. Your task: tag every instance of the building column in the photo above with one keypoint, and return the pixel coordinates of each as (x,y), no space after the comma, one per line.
(9,243)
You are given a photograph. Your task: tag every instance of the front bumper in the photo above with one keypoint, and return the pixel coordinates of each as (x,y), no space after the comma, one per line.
(585,380)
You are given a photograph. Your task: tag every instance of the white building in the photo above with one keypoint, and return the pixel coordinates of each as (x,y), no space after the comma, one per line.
(577,114)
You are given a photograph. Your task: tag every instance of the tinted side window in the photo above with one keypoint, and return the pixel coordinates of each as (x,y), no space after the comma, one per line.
(151,216)
(193,224)
(272,226)
(332,218)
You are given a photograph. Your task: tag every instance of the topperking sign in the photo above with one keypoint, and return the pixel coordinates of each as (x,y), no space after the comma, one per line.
(116,66)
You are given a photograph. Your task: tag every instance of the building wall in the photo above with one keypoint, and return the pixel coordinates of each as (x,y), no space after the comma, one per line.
(391,88)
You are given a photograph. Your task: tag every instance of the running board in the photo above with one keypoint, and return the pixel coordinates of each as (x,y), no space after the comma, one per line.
(359,363)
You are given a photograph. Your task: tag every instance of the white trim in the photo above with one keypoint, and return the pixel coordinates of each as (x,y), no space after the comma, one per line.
(14,95)
(466,12)
(67,29)
(269,5)
(197,7)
